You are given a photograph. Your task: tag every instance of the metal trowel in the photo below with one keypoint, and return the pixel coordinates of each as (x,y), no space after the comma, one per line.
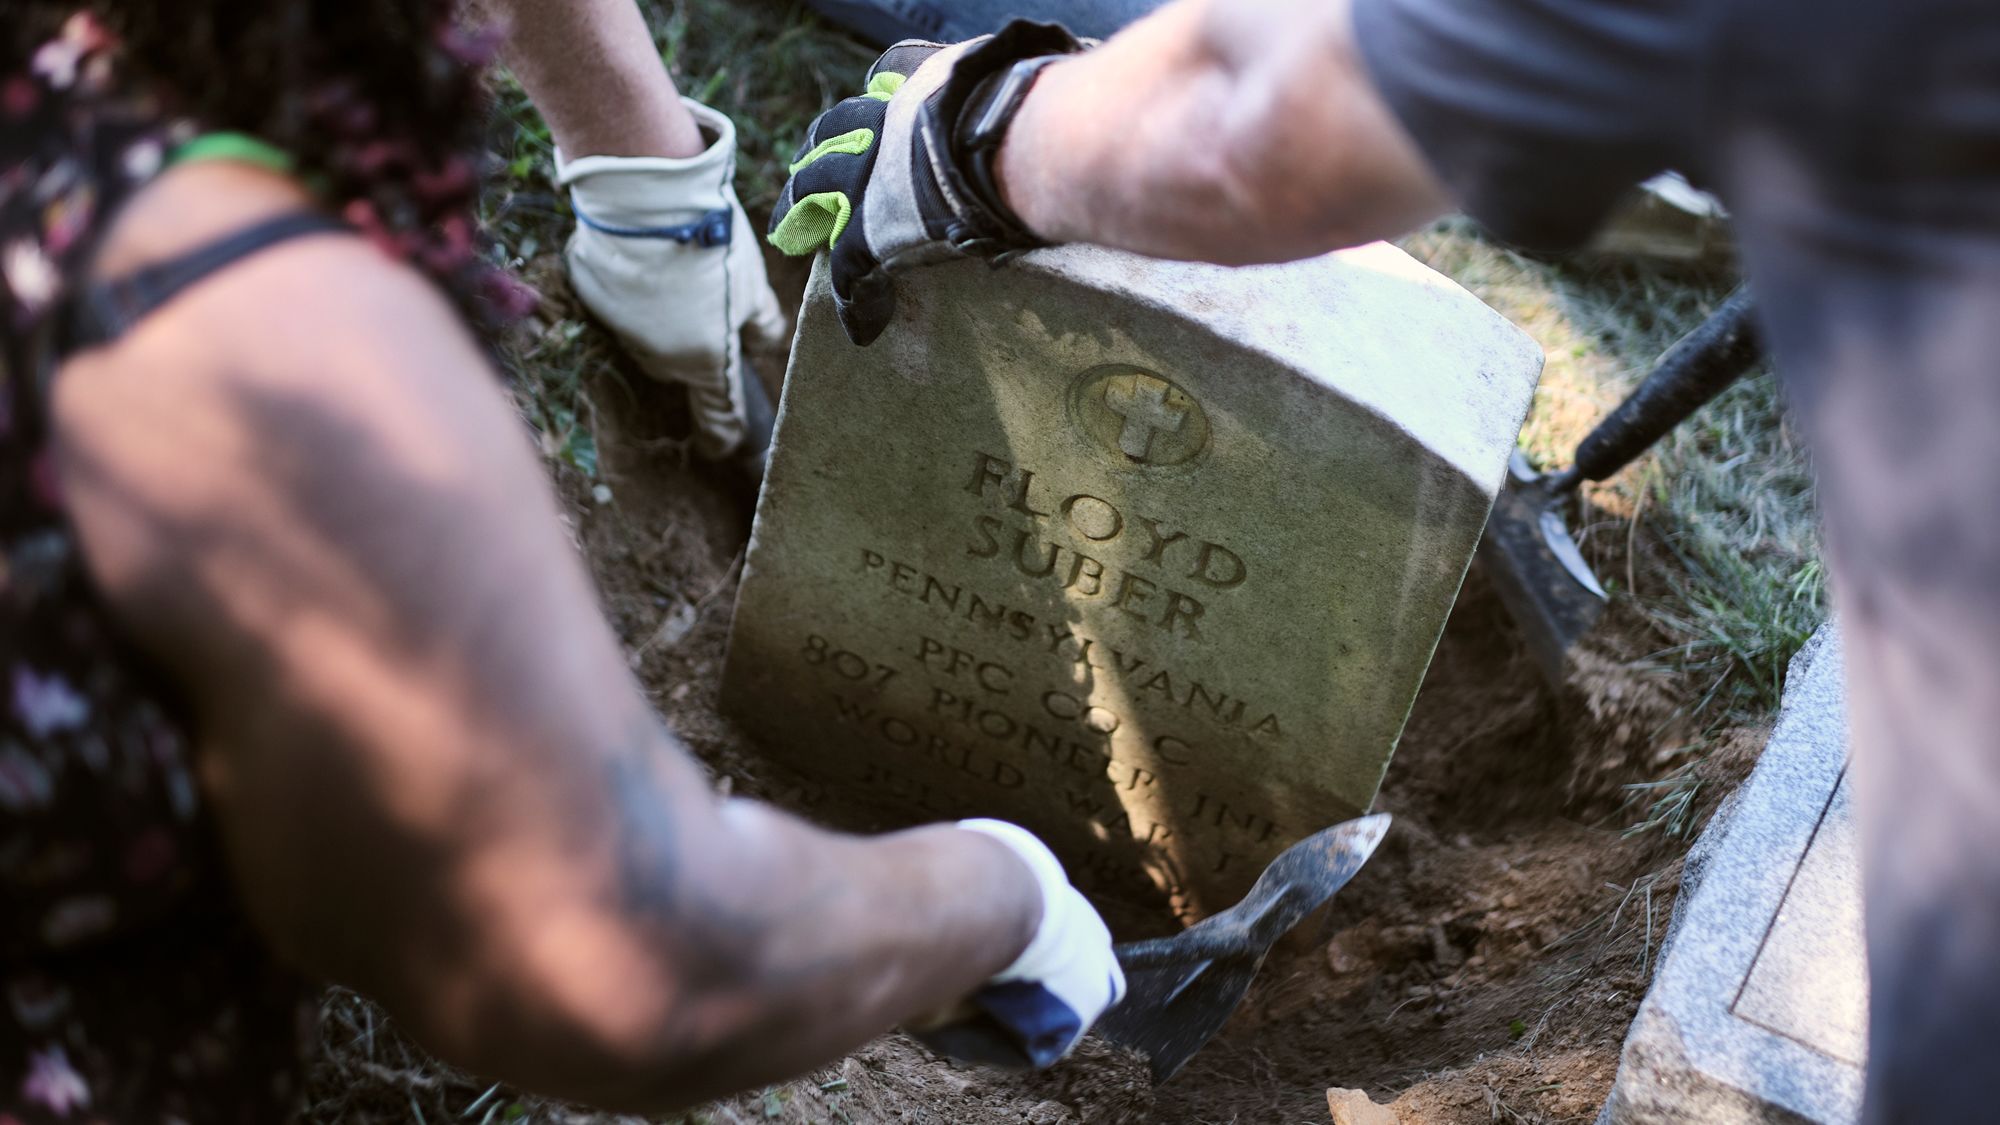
(1180,990)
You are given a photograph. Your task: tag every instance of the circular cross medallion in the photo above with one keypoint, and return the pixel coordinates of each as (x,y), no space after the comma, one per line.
(1137,416)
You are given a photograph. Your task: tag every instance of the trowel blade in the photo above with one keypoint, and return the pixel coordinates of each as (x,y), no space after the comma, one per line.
(1180,990)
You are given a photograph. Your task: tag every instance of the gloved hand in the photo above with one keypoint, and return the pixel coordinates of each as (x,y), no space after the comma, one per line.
(902,176)
(1036,1009)
(663,255)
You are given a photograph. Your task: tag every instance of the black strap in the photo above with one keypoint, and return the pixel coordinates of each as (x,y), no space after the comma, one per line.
(107,310)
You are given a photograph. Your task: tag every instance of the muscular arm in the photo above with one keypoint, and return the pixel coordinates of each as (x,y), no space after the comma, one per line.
(303,489)
(1231,131)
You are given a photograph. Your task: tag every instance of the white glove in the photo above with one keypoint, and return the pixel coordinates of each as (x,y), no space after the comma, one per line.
(663,255)
(1043,1003)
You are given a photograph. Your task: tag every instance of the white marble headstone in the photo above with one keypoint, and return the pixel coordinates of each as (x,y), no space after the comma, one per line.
(1149,557)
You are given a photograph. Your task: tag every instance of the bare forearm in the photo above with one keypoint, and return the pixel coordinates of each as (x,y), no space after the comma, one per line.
(714,949)
(592,72)
(857,935)
(1233,131)
(572,911)
(555,896)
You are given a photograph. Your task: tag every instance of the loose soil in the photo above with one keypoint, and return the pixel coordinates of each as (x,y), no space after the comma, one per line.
(1482,968)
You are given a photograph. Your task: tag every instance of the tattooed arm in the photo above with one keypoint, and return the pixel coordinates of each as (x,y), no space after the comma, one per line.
(434,775)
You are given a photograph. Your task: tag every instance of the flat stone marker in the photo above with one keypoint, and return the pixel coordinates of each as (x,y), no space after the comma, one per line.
(1759,1010)
(1148,557)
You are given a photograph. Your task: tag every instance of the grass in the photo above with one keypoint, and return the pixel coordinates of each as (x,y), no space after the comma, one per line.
(528,216)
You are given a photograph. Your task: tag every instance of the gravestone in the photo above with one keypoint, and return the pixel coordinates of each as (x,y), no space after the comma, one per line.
(1148,557)
(1759,1010)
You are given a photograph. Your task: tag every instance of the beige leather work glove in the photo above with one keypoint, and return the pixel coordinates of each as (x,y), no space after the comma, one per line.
(663,255)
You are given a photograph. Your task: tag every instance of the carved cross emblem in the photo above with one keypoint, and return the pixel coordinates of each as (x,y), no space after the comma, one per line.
(1138,420)
(1142,403)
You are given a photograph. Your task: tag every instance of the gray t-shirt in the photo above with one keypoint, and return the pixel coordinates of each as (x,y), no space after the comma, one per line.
(1857,143)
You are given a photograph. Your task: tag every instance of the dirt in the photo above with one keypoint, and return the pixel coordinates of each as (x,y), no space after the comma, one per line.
(1482,968)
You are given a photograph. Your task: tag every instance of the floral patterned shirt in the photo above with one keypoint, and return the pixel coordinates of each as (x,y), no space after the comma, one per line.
(130,986)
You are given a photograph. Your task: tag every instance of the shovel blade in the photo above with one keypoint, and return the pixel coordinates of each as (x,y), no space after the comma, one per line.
(1537,570)
(1179,991)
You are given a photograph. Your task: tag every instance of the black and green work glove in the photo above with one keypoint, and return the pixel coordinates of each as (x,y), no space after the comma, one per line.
(902,176)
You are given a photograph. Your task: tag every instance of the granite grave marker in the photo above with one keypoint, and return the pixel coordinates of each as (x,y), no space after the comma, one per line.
(1759,1010)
